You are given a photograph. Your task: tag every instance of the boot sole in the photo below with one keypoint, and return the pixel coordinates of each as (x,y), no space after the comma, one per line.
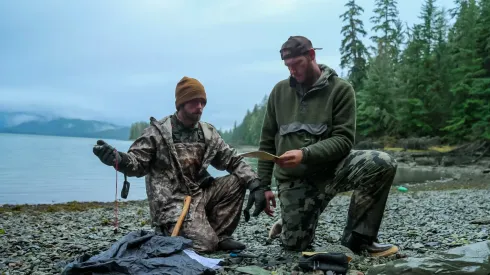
(393,250)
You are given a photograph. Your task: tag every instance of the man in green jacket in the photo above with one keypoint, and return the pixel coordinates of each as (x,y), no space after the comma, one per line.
(174,154)
(310,123)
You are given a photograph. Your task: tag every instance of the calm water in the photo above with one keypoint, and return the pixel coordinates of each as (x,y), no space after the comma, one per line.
(47,169)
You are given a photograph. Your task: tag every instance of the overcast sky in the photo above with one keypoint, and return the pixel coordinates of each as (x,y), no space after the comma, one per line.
(119,61)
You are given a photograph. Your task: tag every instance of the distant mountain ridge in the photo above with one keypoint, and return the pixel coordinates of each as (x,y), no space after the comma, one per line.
(35,124)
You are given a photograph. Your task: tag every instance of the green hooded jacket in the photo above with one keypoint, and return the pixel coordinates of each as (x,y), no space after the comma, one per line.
(322,120)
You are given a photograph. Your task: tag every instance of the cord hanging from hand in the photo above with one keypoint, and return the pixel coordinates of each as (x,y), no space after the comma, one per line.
(116,222)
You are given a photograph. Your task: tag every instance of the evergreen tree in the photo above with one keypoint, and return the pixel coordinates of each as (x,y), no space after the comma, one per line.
(469,105)
(354,53)
(387,27)
(137,129)
(409,74)
(376,107)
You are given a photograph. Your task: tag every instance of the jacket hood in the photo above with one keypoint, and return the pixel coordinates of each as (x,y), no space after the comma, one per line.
(327,72)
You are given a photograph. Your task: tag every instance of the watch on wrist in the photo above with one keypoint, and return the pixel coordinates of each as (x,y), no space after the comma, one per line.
(305,151)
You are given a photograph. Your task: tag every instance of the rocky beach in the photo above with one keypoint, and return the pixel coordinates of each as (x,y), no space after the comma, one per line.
(431,216)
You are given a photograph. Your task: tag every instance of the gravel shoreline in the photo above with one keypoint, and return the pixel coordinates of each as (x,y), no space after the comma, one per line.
(41,240)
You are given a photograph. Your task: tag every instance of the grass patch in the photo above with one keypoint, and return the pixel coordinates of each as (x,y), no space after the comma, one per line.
(440,149)
(73,206)
(434,186)
(398,149)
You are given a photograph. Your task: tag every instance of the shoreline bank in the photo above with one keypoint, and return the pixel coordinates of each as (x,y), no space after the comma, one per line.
(474,183)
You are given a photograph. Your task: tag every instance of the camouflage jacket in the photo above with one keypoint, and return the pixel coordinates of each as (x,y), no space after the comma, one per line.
(181,133)
(154,156)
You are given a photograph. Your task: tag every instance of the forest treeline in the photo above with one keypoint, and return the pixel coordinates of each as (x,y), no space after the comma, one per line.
(428,79)
(137,129)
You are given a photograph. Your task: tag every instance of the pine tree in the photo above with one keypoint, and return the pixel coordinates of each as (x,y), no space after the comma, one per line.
(409,75)
(481,94)
(433,91)
(377,98)
(354,53)
(439,87)
(387,27)
(468,108)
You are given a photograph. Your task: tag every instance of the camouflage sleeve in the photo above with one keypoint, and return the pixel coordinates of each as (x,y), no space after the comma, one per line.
(226,159)
(137,161)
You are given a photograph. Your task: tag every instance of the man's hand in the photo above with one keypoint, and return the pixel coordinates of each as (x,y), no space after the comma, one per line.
(290,159)
(269,200)
(261,198)
(106,153)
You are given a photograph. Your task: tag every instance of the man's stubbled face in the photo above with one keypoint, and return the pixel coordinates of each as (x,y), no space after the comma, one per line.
(192,110)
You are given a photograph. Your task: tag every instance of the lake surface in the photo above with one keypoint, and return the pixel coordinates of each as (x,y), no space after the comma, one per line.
(48,169)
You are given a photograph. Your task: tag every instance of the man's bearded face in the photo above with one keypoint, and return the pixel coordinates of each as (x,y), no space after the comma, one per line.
(193,109)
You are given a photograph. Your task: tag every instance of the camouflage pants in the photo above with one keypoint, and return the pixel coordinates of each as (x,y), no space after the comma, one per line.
(216,215)
(368,173)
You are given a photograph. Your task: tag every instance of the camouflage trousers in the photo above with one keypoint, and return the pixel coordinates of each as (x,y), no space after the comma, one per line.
(368,173)
(215,216)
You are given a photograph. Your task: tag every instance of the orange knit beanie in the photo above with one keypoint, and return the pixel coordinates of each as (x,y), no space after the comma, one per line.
(188,89)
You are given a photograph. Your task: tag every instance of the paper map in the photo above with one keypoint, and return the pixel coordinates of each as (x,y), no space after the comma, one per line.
(259,155)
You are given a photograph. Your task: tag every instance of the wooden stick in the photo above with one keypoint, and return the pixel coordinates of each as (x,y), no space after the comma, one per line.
(187,203)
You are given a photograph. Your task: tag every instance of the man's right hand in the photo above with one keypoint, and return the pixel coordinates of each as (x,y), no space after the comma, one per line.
(269,198)
(106,153)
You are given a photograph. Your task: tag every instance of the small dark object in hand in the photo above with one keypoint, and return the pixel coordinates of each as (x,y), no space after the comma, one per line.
(125,189)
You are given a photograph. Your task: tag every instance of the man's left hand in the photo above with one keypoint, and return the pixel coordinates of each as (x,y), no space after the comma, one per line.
(290,159)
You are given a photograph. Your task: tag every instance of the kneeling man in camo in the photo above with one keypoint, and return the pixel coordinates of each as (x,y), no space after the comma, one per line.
(174,153)
(310,122)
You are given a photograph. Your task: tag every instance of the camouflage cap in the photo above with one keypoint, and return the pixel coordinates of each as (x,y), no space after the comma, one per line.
(296,46)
